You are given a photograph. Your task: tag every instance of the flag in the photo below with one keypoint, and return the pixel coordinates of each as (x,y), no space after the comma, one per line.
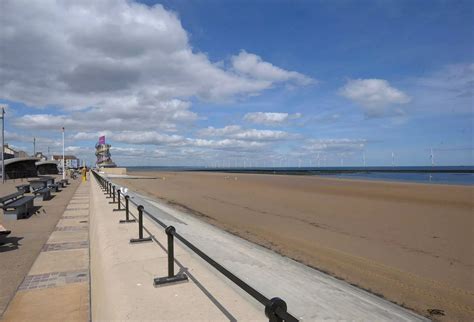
(102,139)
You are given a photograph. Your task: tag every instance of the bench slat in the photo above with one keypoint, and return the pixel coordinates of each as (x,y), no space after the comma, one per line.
(19,202)
(11,196)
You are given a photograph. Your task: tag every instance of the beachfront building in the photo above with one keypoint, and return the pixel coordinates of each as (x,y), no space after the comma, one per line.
(40,156)
(102,152)
(70,161)
(20,168)
(9,153)
(45,167)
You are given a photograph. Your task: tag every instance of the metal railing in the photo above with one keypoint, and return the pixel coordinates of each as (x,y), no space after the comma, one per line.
(275,308)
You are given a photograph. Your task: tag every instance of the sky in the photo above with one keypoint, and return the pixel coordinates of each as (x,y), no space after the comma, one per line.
(239,82)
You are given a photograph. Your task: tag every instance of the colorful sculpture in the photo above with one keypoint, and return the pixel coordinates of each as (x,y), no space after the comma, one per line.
(103,154)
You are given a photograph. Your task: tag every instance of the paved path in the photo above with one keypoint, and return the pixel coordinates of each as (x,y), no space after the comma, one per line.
(57,285)
(19,250)
(310,294)
(122,276)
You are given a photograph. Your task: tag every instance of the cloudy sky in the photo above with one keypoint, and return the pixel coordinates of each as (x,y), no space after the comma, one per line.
(211,82)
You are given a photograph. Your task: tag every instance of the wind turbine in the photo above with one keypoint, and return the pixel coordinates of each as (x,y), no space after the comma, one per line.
(363,157)
(393,159)
(432,158)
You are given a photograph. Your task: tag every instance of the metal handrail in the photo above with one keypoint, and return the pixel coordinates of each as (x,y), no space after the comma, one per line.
(275,308)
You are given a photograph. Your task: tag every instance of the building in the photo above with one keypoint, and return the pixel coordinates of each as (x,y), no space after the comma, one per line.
(47,167)
(40,156)
(70,161)
(20,168)
(9,153)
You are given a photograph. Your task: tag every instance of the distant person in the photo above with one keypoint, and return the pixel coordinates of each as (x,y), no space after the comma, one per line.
(84,174)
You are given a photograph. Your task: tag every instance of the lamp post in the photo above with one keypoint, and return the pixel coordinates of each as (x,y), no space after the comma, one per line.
(64,168)
(3,144)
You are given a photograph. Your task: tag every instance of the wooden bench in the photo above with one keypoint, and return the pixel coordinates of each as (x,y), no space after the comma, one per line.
(16,206)
(23,188)
(44,192)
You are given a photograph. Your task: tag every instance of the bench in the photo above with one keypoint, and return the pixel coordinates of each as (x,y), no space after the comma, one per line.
(16,206)
(63,182)
(23,188)
(44,192)
(54,187)
(38,183)
(50,180)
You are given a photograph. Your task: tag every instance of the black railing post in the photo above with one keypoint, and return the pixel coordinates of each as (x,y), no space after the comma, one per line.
(113,195)
(169,232)
(110,190)
(140,228)
(127,218)
(171,278)
(273,308)
(119,203)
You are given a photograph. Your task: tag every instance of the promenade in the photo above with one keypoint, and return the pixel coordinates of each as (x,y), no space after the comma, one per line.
(56,287)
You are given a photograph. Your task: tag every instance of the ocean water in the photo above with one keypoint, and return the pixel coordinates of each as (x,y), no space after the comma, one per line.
(461,175)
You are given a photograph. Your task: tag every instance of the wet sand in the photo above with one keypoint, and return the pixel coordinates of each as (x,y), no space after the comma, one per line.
(410,243)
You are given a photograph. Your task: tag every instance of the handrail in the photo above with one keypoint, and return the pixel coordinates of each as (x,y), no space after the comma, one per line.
(275,308)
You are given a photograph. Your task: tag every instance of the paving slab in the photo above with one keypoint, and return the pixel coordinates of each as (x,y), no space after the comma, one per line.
(71,303)
(67,260)
(68,236)
(73,221)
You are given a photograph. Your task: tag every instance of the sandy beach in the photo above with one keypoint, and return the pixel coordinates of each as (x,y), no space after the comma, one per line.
(410,243)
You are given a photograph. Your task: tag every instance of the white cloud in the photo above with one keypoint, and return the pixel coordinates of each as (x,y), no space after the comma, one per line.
(132,137)
(373,95)
(270,118)
(227,144)
(129,64)
(136,115)
(238,133)
(334,145)
(252,65)
(224,131)
(449,90)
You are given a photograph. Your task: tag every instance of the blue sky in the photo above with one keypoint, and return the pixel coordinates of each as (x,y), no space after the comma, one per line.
(234,82)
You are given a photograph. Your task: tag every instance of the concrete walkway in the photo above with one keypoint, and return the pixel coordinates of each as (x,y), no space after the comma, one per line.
(311,295)
(122,276)
(57,286)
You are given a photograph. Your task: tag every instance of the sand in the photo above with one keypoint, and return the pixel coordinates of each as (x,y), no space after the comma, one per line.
(410,243)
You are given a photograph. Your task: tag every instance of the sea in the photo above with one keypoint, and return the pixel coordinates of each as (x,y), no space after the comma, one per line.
(454,175)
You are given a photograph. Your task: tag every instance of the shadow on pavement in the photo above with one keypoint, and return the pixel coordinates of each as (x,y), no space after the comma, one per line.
(9,243)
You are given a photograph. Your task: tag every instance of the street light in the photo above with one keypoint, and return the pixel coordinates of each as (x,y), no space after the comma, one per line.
(64,169)
(3,144)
